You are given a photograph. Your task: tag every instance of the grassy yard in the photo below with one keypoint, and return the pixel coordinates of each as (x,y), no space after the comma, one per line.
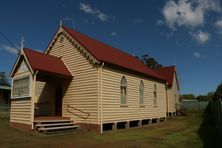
(190,131)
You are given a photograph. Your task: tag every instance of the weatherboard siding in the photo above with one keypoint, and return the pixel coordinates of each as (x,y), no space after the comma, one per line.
(173,95)
(82,92)
(112,111)
(21,111)
(44,98)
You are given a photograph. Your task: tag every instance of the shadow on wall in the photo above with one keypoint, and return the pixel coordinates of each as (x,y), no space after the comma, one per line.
(208,132)
(46,102)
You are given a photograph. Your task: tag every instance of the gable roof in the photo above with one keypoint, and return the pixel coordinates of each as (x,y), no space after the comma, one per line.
(107,54)
(46,63)
(167,73)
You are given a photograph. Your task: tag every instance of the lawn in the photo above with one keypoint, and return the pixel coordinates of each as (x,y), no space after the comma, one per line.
(184,131)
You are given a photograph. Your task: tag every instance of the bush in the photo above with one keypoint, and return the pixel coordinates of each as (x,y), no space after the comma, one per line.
(218,93)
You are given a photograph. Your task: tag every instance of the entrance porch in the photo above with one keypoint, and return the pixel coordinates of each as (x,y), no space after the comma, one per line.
(49,92)
(39,82)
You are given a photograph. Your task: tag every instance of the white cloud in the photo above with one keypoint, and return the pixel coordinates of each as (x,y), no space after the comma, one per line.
(95,12)
(113,33)
(138,20)
(218,24)
(201,37)
(188,13)
(198,55)
(9,49)
(71,20)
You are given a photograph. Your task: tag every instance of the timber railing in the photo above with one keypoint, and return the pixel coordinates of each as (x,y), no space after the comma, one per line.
(180,109)
(85,116)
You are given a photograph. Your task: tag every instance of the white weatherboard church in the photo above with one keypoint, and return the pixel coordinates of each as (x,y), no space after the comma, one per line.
(81,82)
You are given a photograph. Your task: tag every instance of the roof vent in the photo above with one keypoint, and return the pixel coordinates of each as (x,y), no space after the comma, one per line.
(61,40)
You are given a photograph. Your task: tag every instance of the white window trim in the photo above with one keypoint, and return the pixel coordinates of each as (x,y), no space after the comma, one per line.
(155,100)
(126,97)
(141,88)
(30,86)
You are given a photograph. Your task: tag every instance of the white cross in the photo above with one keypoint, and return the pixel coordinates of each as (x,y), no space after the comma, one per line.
(60,23)
(22,43)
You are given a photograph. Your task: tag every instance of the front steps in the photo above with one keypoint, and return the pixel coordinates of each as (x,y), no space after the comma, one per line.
(55,126)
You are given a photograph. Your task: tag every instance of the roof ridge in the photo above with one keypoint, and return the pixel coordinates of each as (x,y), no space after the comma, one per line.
(38,52)
(100,42)
(69,30)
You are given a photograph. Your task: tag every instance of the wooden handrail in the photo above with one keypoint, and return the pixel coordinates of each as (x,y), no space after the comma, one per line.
(73,108)
(180,106)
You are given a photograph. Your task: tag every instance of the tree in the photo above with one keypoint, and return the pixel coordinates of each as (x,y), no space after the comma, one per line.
(4,79)
(187,96)
(149,61)
(210,95)
(202,98)
(207,97)
(218,93)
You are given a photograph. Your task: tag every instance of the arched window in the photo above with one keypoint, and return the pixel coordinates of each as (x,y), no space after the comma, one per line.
(141,89)
(123,90)
(155,94)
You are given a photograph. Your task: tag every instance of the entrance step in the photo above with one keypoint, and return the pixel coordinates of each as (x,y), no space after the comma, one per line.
(51,121)
(52,124)
(57,128)
(55,125)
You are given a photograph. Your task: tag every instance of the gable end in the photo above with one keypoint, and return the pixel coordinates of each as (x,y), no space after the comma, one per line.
(76,44)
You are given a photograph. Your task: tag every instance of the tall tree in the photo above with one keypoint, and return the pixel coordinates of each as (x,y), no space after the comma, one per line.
(4,79)
(218,93)
(149,61)
(187,96)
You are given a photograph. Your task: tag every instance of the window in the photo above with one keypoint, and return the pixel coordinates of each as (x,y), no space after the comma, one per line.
(123,90)
(21,87)
(141,89)
(155,95)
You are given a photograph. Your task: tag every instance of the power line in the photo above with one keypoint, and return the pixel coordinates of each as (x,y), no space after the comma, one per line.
(9,41)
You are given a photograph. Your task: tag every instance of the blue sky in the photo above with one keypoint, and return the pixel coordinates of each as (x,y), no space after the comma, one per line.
(184,33)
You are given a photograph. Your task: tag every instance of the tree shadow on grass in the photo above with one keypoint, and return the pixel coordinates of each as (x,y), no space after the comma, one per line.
(208,132)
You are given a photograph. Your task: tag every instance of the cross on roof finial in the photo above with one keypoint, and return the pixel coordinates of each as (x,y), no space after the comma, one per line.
(22,43)
(60,23)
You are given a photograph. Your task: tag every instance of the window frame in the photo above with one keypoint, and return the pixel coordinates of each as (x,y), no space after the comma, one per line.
(155,95)
(141,91)
(30,86)
(123,86)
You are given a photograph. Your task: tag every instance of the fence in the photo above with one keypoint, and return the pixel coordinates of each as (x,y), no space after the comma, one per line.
(194,105)
(216,110)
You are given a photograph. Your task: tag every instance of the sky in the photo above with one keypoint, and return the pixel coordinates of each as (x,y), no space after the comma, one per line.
(184,33)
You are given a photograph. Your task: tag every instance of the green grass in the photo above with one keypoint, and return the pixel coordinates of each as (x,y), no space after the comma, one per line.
(179,132)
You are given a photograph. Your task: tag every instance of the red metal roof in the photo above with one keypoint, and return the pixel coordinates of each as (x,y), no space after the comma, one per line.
(46,63)
(105,53)
(167,73)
